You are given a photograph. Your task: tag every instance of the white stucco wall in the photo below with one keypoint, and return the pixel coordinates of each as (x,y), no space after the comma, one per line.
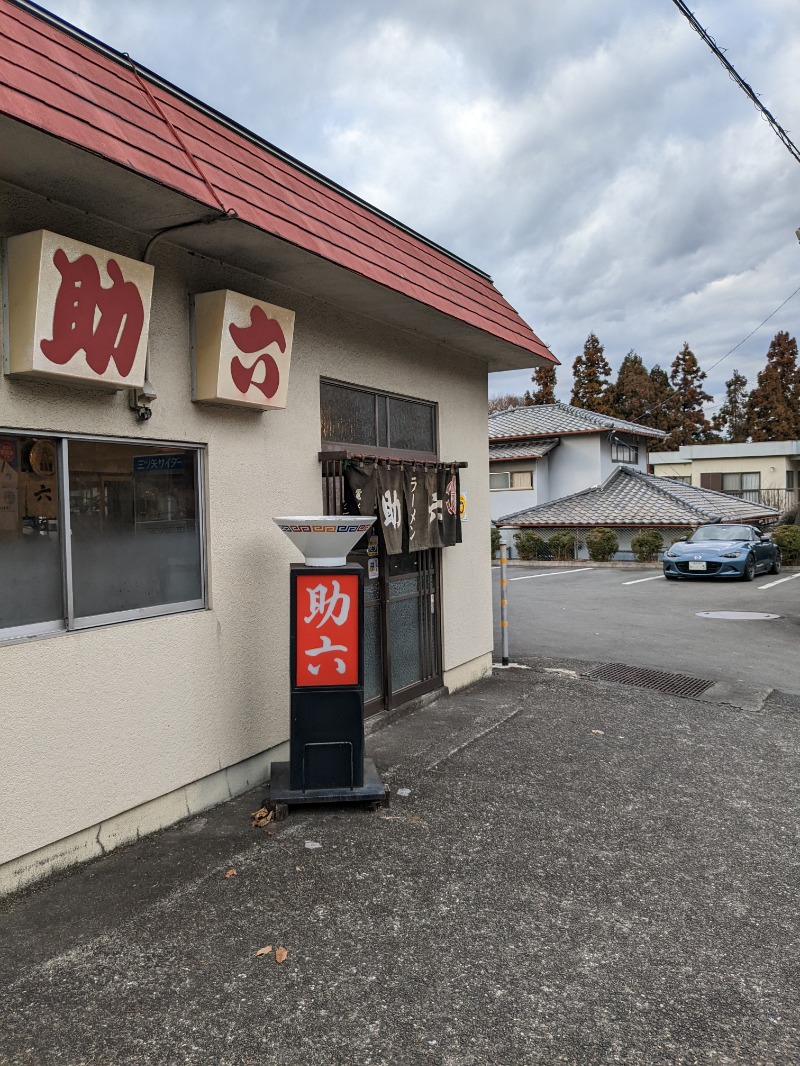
(99,722)
(575,464)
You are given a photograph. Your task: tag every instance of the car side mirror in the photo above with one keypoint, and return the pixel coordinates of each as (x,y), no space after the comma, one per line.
(765,539)
(679,540)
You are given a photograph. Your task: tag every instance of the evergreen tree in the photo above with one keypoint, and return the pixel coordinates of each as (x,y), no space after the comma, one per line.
(773,408)
(732,415)
(690,425)
(635,393)
(661,414)
(590,373)
(544,378)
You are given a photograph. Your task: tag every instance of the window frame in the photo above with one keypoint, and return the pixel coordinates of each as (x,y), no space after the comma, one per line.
(509,486)
(388,448)
(621,445)
(69,622)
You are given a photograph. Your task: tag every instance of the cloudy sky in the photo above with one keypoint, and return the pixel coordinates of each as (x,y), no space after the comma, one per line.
(594,158)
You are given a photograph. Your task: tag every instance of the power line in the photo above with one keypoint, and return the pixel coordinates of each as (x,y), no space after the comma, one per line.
(677,393)
(750,334)
(735,77)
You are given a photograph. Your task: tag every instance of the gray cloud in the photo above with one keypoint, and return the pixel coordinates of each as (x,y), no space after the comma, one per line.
(594,158)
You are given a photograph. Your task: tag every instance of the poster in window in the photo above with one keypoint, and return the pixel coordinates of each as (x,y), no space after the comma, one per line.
(77,314)
(242,351)
(9,505)
(41,496)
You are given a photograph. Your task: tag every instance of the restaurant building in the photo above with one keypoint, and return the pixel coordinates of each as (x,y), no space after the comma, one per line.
(201,334)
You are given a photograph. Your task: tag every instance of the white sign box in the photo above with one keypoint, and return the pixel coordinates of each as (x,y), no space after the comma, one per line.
(76,313)
(242,350)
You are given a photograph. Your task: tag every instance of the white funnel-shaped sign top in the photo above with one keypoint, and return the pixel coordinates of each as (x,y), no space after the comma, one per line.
(324,540)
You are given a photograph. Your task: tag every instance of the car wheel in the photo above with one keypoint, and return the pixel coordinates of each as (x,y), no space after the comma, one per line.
(749,569)
(776,566)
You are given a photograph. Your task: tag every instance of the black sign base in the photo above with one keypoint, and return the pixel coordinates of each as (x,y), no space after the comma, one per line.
(281,795)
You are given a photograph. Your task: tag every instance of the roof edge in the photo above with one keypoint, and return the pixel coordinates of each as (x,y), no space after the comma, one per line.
(126,60)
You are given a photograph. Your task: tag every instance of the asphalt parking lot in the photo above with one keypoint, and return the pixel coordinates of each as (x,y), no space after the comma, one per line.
(634,616)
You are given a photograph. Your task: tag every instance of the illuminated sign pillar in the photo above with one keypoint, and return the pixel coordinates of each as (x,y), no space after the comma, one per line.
(326,743)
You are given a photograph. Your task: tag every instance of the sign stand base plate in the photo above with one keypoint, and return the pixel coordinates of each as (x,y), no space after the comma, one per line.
(282,796)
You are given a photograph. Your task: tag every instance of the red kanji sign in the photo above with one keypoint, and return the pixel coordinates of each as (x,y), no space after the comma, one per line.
(326,629)
(76,313)
(105,323)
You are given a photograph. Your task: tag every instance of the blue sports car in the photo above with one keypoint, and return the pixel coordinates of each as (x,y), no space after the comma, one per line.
(722,550)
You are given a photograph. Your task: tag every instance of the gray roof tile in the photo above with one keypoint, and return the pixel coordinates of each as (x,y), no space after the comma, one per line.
(551,419)
(630,498)
(533,449)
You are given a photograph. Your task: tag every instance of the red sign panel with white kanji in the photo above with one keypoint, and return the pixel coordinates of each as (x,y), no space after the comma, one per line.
(326,629)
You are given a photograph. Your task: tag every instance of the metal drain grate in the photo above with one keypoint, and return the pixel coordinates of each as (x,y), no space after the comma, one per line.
(676,684)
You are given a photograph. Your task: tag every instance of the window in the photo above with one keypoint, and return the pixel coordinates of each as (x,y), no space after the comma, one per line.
(518,479)
(96,531)
(377,421)
(624,453)
(790,480)
(745,485)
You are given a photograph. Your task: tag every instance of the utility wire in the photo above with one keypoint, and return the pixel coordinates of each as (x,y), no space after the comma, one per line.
(677,393)
(735,77)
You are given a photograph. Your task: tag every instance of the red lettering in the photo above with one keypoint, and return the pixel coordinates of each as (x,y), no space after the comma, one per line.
(105,323)
(261,332)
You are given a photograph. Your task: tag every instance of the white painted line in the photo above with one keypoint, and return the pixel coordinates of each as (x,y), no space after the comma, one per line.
(780,581)
(639,580)
(554,573)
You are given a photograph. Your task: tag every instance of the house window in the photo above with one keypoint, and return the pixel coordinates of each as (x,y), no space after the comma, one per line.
(744,485)
(377,421)
(790,480)
(624,453)
(97,531)
(518,479)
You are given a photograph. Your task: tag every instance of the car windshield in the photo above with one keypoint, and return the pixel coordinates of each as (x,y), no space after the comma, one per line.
(719,532)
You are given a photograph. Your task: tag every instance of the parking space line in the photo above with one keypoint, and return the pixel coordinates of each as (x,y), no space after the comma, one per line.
(639,580)
(554,573)
(780,581)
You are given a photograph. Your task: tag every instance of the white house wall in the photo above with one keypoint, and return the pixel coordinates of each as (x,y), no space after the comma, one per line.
(105,720)
(575,465)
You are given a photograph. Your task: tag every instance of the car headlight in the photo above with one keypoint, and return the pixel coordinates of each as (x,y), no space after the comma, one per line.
(732,555)
(671,555)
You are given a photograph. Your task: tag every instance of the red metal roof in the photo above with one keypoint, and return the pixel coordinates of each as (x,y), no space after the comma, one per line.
(92,97)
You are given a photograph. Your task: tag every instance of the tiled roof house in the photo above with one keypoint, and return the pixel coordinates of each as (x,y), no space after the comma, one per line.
(630,501)
(543,452)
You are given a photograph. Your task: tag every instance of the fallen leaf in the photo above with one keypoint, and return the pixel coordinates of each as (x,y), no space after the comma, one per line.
(261,817)
(298,868)
(231,873)
(264,951)
(281,955)
(599,732)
